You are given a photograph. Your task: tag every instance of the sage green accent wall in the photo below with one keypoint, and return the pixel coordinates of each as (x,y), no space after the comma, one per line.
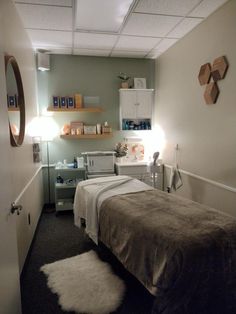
(90,76)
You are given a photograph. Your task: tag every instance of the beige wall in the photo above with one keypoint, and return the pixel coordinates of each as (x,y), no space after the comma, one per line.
(32,202)
(19,165)
(205,133)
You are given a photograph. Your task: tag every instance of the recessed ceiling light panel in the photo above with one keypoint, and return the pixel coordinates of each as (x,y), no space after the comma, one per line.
(102,15)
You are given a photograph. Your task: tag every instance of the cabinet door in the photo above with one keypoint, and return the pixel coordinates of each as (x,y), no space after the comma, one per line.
(144,104)
(128,104)
(100,164)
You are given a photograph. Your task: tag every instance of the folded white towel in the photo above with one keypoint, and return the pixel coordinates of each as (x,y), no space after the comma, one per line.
(91,193)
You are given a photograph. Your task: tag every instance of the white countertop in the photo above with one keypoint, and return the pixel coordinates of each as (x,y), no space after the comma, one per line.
(132,163)
(99,152)
(136,163)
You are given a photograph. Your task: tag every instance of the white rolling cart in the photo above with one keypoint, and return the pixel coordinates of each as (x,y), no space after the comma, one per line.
(65,191)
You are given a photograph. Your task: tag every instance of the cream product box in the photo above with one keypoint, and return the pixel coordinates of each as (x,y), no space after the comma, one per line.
(80,162)
(90,129)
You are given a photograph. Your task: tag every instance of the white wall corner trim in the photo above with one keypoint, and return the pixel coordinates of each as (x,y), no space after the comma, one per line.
(27,185)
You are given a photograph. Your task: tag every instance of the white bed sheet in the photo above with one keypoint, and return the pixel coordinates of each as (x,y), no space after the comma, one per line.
(91,193)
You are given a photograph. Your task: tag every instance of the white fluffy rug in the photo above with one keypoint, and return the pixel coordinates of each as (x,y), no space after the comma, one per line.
(85,284)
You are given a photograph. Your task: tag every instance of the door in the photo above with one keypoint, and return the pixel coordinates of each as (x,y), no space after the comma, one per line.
(10,302)
(100,163)
(128,104)
(144,104)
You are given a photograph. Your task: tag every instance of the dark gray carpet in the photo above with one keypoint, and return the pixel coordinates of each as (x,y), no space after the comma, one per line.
(57,238)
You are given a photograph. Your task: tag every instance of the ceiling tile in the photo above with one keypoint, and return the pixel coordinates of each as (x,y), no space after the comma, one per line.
(206,7)
(50,38)
(184,27)
(128,54)
(150,25)
(136,43)
(168,7)
(50,25)
(45,17)
(91,52)
(165,44)
(65,3)
(99,41)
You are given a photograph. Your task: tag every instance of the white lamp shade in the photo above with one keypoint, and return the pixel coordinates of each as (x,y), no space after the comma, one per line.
(43,127)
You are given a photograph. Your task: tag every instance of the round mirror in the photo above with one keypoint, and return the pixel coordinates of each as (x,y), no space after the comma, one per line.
(15,101)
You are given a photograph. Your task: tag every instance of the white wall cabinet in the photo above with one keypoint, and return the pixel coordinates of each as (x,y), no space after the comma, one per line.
(99,163)
(136,109)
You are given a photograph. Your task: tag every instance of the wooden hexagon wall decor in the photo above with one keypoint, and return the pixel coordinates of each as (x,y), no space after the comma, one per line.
(204,74)
(217,71)
(219,68)
(211,93)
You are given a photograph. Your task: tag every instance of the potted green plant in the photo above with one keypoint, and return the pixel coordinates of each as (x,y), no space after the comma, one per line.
(124,80)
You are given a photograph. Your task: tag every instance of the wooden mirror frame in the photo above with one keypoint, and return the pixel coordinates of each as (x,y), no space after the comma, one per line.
(17,140)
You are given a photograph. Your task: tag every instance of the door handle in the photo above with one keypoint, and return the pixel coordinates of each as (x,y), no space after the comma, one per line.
(16,208)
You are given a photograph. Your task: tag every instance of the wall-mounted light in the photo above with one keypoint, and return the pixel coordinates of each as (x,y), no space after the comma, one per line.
(43,61)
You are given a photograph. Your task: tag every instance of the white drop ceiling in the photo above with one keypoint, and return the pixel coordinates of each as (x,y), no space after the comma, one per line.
(111,28)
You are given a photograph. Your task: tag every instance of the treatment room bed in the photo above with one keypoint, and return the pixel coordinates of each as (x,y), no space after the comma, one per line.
(183,252)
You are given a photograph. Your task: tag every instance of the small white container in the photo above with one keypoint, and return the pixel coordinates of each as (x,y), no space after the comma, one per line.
(98,128)
(90,129)
(80,162)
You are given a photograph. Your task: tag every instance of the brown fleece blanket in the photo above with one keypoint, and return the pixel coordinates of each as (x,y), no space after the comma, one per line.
(181,251)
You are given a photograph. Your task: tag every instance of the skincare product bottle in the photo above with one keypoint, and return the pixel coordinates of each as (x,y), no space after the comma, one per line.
(75,163)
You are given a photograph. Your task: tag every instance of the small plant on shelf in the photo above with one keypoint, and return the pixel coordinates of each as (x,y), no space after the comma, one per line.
(124,80)
(121,150)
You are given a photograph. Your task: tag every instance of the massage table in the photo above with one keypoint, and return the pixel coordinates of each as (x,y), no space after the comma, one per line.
(183,252)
